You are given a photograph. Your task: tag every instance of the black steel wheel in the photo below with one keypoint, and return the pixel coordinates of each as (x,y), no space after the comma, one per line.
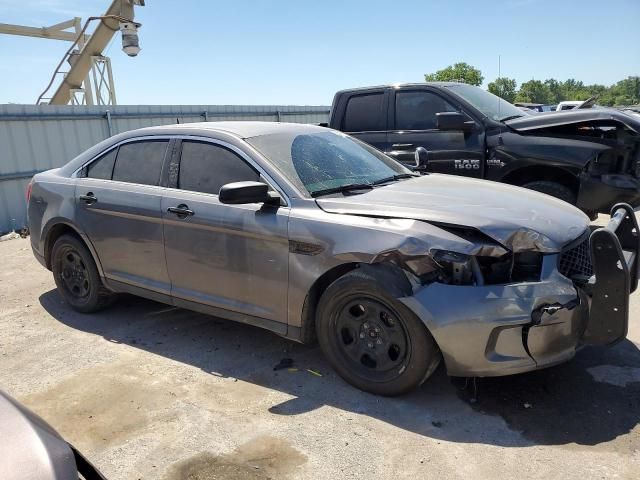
(73,273)
(76,275)
(373,340)
(372,336)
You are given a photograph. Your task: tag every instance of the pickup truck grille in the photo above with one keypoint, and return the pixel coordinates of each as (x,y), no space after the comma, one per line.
(576,261)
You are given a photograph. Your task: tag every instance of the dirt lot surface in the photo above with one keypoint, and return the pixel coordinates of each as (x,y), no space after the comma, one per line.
(147,391)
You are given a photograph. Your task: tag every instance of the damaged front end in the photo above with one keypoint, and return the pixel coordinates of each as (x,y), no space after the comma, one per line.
(515,312)
(611,174)
(484,261)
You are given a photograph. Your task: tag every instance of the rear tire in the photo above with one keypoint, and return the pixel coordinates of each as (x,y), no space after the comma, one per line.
(554,189)
(77,277)
(370,338)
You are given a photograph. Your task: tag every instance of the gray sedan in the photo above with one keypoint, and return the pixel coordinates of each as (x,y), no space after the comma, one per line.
(312,234)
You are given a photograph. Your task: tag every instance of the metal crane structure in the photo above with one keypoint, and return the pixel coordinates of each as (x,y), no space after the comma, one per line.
(89,79)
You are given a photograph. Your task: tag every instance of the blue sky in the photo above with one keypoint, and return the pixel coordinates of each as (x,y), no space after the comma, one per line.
(300,52)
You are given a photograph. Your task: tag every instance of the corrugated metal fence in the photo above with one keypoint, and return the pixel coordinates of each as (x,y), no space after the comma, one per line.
(34,138)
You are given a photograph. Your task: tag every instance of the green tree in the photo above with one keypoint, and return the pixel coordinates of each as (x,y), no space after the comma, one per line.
(572,89)
(504,88)
(626,92)
(556,89)
(459,72)
(534,91)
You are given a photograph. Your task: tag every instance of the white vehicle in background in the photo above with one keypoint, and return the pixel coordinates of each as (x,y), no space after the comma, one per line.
(568,105)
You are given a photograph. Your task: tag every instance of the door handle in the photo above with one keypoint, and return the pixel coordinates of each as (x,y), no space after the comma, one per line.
(89,198)
(182,211)
(402,145)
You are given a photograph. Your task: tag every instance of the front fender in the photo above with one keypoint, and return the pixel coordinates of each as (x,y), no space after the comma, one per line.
(509,151)
(320,242)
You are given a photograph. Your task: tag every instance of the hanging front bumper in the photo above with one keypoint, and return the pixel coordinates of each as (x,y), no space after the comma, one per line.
(492,330)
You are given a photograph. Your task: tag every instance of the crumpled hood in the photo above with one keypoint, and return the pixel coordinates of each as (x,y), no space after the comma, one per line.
(519,219)
(554,119)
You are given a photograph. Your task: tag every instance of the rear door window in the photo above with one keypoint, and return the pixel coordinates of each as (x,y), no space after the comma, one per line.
(102,167)
(140,162)
(205,167)
(416,110)
(365,113)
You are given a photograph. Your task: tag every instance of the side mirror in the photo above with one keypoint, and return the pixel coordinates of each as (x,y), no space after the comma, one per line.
(421,158)
(453,121)
(247,192)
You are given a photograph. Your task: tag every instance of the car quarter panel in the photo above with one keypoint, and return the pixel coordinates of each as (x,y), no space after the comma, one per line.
(52,202)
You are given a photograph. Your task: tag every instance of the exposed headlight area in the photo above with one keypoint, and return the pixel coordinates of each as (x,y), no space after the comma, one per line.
(459,269)
(487,263)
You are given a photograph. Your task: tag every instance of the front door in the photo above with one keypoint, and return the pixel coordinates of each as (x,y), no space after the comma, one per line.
(118,207)
(230,257)
(454,152)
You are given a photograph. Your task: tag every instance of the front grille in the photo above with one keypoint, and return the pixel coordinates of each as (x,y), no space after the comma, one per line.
(576,261)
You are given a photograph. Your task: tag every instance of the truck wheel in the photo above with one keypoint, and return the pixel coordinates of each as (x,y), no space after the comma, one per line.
(554,189)
(76,276)
(371,339)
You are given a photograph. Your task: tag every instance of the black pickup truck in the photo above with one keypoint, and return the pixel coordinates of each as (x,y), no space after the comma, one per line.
(589,158)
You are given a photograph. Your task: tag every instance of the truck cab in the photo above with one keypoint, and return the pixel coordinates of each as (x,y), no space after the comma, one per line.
(588,158)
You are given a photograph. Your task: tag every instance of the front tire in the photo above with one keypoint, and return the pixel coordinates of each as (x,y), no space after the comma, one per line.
(554,189)
(77,277)
(370,338)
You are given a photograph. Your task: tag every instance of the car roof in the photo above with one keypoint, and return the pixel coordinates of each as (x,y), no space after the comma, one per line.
(238,129)
(416,84)
(241,129)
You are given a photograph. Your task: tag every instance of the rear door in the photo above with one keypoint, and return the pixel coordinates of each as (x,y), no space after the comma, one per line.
(118,206)
(231,257)
(365,117)
(414,125)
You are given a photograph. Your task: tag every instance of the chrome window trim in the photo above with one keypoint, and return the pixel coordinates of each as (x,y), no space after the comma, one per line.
(116,145)
(199,138)
(242,154)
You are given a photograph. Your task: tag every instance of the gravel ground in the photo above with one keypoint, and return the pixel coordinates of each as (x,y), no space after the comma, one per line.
(147,391)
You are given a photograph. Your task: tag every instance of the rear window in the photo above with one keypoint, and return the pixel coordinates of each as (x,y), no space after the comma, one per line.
(140,162)
(102,167)
(205,167)
(365,113)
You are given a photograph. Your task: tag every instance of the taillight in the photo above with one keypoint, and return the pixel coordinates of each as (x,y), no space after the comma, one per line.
(29,190)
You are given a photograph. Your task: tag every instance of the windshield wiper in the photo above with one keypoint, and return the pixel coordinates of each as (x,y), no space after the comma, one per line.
(342,188)
(511,117)
(398,176)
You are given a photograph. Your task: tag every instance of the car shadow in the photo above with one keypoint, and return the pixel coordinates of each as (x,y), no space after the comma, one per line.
(591,400)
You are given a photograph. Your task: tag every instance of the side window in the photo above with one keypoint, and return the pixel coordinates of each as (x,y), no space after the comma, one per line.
(416,110)
(205,167)
(103,166)
(365,113)
(140,162)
